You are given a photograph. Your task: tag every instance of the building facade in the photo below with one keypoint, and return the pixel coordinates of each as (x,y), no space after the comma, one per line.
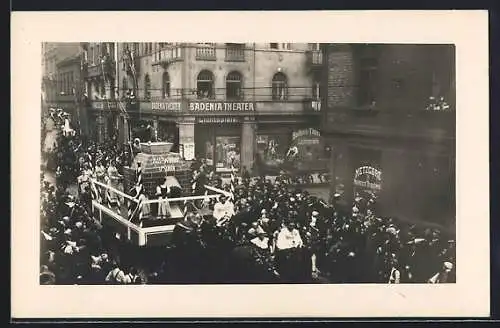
(52,54)
(243,104)
(70,90)
(389,118)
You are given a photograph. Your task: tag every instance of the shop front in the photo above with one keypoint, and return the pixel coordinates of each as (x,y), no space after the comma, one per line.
(156,121)
(104,119)
(291,147)
(224,134)
(413,181)
(219,142)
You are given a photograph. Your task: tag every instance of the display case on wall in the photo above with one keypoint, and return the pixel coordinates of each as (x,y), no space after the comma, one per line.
(227,152)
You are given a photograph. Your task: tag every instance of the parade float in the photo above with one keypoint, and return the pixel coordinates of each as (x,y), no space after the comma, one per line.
(135,217)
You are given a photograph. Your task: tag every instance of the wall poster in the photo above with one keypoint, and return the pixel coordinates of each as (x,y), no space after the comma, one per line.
(272,149)
(227,152)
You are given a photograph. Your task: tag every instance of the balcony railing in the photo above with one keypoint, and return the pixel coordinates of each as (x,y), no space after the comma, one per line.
(205,53)
(96,69)
(315,58)
(167,56)
(235,53)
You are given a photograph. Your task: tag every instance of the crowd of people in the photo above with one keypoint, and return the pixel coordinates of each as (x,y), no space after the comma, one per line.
(263,230)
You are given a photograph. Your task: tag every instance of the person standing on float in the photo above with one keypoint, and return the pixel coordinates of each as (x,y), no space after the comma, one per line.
(114,178)
(100,174)
(162,192)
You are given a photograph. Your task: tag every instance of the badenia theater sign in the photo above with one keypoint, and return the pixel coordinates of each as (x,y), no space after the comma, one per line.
(368,177)
(221,106)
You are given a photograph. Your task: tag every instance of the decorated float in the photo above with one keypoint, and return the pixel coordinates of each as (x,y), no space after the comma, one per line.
(139,212)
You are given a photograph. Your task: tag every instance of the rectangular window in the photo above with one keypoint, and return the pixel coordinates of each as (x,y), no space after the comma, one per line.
(92,55)
(367,81)
(235,51)
(273,45)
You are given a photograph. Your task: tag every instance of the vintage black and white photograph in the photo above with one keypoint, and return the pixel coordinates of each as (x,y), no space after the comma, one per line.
(247,163)
(250,165)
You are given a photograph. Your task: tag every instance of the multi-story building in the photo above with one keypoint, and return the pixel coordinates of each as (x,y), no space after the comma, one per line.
(99,73)
(240,102)
(389,117)
(70,89)
(52,54)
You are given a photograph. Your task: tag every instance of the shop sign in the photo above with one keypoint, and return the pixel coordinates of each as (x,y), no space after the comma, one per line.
(103,104)
(166,106)
(165,159)
(306,133)
(367,172)
(221,106)
(218,120)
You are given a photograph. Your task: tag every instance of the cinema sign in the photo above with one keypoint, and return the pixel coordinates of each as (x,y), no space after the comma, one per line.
(221,106)
(162,106)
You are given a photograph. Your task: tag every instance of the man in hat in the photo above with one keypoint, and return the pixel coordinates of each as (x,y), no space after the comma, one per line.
(446,275)
(261,241)
(223,210)
(289,237)
(47,277)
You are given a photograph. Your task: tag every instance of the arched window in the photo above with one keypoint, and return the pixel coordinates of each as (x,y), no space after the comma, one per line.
(147,87)
(280,86)
(124,86)
(233,85)
(165,85)
(204,85)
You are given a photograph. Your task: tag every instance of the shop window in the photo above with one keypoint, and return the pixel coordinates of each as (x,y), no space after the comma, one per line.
(273,45)
(165,85)
(279,86)
(204,85)
(233,86)
(227,152)
(147,87)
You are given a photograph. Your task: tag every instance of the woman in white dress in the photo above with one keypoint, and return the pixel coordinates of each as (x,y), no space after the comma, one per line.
(114,178)
(162,192)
